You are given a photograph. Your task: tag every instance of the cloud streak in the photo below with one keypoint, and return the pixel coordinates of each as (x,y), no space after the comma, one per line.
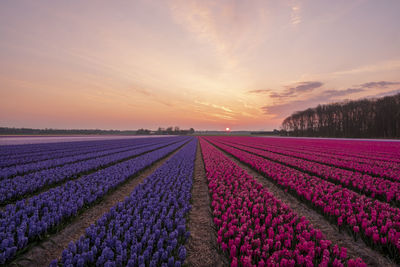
(259,91)
(378,67)
(329,94)
(286,108)
(381,84)
(297,90)
(295,17)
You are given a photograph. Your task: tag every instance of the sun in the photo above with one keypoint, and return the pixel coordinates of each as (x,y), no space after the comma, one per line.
(227,129)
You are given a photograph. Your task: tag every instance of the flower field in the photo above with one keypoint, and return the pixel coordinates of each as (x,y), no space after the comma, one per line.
(46,189)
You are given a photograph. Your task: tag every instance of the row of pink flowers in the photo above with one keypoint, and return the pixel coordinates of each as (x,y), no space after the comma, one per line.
(370,150)
(384,151)
(376,222)
(374,187)
(256,229)
(380,168)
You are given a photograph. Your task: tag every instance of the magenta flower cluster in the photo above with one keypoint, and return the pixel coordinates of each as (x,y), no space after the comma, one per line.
(375,187)
(256,229)
(383,160)
(376,222)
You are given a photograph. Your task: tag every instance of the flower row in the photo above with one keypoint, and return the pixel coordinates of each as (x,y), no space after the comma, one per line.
(17,154)
(374,187)
(28,220)
(384,169)
(148,228)
(20,186)
(376,222)
(22,154)
(79,155)
(372,150)
(256,229)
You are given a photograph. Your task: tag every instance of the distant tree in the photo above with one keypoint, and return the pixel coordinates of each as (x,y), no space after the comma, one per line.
(361,118)
(169,130)
(143,131)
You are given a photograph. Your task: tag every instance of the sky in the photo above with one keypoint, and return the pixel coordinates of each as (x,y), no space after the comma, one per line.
(204,64)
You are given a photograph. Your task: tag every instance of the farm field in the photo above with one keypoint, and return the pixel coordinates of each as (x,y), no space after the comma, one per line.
(200,201)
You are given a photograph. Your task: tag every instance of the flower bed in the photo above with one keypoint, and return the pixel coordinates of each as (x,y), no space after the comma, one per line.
(30,219)
(256,229)
(376,222)
(148,228)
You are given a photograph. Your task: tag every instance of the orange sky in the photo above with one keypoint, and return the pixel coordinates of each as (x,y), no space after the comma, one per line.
(201,64)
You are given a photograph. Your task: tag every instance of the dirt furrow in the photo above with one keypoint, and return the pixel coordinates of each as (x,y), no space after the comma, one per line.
(354,248)
(44,252)
(202,244)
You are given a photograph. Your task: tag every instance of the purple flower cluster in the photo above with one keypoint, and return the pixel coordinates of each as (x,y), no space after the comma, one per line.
(148,228)
(81,154)
(22,154)
(376,222)
(17,187)
(29,219)
(374,187)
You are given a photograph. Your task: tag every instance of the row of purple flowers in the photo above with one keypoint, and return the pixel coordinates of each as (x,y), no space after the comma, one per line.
(27,151)
(148,228)
(78,155)
(20,186)
(28,220)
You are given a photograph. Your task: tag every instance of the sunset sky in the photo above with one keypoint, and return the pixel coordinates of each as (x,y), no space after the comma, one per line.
(201,64)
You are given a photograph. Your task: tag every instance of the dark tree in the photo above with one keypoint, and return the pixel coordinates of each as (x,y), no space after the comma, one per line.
(368,118)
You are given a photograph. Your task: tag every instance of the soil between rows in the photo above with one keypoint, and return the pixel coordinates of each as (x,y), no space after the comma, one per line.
(354,248)
(202,245)
(44,252)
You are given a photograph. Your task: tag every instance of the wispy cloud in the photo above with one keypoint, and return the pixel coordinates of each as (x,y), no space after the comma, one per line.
(389,93)
(377,67)
(381,84)
(232,28)
(295,15)
(288,106)
(282,110)
(223,108)
(297,89)
(141,91)
(329,94)
(259,91)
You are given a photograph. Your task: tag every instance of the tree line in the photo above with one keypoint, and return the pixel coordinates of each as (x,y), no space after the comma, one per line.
(48,131)
(366,118)
(165,131)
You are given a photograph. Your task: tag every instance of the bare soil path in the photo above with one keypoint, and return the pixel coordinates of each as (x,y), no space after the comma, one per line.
(354,248)
(202,244)
(44,252)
